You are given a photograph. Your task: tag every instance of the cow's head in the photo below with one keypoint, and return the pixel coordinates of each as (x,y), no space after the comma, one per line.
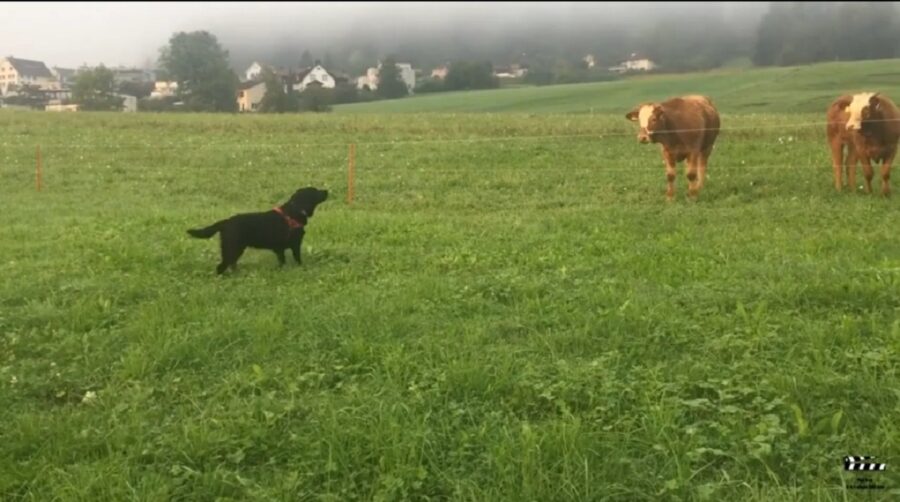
(649,117)
(861,108)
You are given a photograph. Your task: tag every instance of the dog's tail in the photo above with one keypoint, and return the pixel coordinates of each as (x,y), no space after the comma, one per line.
(206,233)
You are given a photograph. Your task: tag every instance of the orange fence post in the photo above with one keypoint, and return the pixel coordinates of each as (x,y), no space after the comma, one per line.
(37,172)
(350,167)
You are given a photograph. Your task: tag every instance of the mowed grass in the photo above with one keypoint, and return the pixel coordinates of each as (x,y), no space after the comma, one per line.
(507,311)
(806,89)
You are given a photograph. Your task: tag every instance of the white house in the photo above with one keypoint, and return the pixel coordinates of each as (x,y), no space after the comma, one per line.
(129,103)
(589,61)
(318,75)
(440,72)
(635,63)
(15,72)
(137,75)
(59,107)
(407,75)
(254,71)
(511,71)
(164,89)
(250,95)
(370,79)
(65,76)
(59,95)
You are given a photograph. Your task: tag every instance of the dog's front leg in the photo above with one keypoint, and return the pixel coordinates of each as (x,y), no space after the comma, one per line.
(295,248)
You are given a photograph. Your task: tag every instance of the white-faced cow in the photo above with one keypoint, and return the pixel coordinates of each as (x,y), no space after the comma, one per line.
(686,127)
(868,125)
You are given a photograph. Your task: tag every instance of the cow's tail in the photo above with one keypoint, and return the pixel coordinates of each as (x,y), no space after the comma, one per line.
(206,233)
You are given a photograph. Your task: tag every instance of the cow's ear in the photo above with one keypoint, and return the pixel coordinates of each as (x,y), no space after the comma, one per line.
(844,103)
(657,111)
(875,101)
(633,114)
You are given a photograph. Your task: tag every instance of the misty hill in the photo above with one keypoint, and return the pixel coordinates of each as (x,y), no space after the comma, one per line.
(683,36)
(536,34)
(785,89)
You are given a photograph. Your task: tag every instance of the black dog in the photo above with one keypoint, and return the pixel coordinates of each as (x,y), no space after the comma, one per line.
(278,229)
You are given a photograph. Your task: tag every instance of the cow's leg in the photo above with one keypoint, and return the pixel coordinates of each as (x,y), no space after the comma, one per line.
(886,174)
(691,171)
(704,160)
(669,159)
(837,159)
(851,162)
(868,172)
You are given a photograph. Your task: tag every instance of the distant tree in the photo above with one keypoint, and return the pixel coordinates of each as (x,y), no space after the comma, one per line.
(306,60)
(316,98)
(136,89)
(870,30)
(465,75)
(539,76)
(771,37)
(390,85)
(345,93)
(200,66)
(26,95)
(428,85)
(365,95)
(358,61)
(567,71)
(329,62)
(807,32)
(276,99)
(94,90)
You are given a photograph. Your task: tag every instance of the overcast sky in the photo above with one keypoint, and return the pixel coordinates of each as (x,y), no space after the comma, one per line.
(131,33)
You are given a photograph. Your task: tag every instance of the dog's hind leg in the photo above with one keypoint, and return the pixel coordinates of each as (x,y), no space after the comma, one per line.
(230,259)
(280,254)
(231,252)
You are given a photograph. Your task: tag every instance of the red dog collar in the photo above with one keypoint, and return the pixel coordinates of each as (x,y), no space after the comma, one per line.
(287,219)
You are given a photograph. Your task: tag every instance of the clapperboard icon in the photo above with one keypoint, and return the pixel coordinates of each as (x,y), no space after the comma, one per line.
(852,463)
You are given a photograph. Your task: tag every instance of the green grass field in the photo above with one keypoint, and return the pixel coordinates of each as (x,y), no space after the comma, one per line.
(508,311)
(738,90)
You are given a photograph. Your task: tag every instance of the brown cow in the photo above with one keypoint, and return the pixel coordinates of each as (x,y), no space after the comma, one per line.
(687,128)
(868,125)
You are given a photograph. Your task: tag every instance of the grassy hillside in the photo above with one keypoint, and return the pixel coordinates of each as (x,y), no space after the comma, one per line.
(490,320)
(776,90)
